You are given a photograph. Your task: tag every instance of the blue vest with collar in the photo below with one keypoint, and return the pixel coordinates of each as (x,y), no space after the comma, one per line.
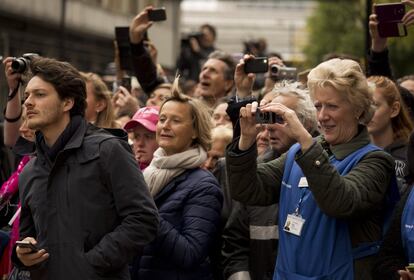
(407,227)
(323,251)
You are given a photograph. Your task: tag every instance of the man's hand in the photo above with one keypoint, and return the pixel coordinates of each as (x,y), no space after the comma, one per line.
(244,82)
(139,24)
(28,257)
(12,78)
(378,44)
(124,102)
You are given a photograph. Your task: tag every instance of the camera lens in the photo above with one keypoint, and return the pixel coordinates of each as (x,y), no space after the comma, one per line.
(18,65)
(274,68)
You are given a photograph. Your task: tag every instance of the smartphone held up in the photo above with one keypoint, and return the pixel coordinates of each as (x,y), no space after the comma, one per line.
(389,17)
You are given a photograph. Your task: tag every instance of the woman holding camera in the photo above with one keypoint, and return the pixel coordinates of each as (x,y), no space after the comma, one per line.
(331,190)
(189,199)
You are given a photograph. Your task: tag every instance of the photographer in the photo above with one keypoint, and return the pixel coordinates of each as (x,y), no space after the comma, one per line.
(195,50)
(331,190)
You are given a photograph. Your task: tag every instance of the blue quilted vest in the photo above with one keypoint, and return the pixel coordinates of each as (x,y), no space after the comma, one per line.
(407,227)
(323,250)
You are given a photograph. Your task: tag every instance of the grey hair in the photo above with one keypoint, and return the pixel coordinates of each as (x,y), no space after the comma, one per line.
(305,109)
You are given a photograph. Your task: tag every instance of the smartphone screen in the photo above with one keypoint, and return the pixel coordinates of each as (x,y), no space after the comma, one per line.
(256,65)
(122,39)
(157,14)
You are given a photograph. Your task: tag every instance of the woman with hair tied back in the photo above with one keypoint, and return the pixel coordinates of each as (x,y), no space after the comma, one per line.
(390,127)
(189,199)
(331,190)
(99,110)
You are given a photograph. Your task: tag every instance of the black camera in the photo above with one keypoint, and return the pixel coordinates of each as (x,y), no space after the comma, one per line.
(268,117)
(185,41)
(283,73)
(21,64)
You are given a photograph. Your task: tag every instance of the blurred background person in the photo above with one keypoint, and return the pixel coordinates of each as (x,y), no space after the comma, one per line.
(220,117)
(221,136)
(142,127)
(390,127)
(195,50)
(99,109)
(397,250)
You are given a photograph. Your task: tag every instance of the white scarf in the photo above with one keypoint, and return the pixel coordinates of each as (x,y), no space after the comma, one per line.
(164,168)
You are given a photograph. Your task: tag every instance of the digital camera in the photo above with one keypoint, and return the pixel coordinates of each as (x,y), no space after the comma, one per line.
(268,117)
(21,64)
(283,73)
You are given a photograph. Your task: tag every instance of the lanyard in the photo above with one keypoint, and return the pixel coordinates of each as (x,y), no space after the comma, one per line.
(302,196)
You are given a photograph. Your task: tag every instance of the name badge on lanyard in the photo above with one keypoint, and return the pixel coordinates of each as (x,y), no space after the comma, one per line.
(294,224)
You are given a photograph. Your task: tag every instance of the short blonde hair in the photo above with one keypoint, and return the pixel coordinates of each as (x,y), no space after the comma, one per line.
(348,79)
(200,114)
(222,133)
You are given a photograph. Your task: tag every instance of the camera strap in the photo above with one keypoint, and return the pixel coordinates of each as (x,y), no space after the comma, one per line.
(14,92)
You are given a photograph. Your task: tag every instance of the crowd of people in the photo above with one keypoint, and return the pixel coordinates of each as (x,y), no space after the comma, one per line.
(185,178)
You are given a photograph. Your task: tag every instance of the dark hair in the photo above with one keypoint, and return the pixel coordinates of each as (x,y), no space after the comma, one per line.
(210,28)
(65,78)
(228,60)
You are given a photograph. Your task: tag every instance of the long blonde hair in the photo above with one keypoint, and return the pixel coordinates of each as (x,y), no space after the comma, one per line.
(106,117)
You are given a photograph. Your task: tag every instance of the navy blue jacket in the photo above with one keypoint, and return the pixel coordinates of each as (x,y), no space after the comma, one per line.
(189,208)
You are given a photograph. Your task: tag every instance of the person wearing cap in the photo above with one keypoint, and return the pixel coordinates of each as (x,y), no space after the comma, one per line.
(142,127)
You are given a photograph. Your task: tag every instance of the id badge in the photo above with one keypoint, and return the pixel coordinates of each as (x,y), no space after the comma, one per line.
(294,224)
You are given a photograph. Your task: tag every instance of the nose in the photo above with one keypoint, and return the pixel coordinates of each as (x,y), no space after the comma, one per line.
(139,142)
(28,102)
(323,114)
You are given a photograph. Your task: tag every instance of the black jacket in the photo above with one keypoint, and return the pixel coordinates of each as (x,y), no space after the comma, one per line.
(90,209)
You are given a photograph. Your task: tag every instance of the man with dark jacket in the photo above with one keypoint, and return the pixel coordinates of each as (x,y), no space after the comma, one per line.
(85,205)
(251,234)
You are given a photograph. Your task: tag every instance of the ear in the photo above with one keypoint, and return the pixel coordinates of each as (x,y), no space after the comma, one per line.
(395,109)
(100,105)
(68,104)
(228,84)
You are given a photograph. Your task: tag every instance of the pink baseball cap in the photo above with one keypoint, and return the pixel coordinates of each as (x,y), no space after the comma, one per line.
(146,116)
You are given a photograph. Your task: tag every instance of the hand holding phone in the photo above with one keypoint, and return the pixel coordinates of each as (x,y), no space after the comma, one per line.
(256,65)
(27,244)
(389,16)
(157,14)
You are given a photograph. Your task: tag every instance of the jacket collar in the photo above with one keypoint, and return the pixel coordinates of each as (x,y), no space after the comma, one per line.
(174,182)
(341,151)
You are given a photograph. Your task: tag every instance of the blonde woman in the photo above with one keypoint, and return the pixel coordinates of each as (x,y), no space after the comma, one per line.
(331,190)
(99,110)
(189,199)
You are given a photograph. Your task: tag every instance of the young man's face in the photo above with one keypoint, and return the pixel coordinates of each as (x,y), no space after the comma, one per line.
(44,108)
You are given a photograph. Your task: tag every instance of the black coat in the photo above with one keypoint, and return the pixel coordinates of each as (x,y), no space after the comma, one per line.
(90,209)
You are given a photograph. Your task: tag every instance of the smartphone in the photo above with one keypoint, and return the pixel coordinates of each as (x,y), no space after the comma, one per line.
(268,117)
(256,65)
(122,40)
(27,244)
(126,83)
(157,14)
(389,17)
